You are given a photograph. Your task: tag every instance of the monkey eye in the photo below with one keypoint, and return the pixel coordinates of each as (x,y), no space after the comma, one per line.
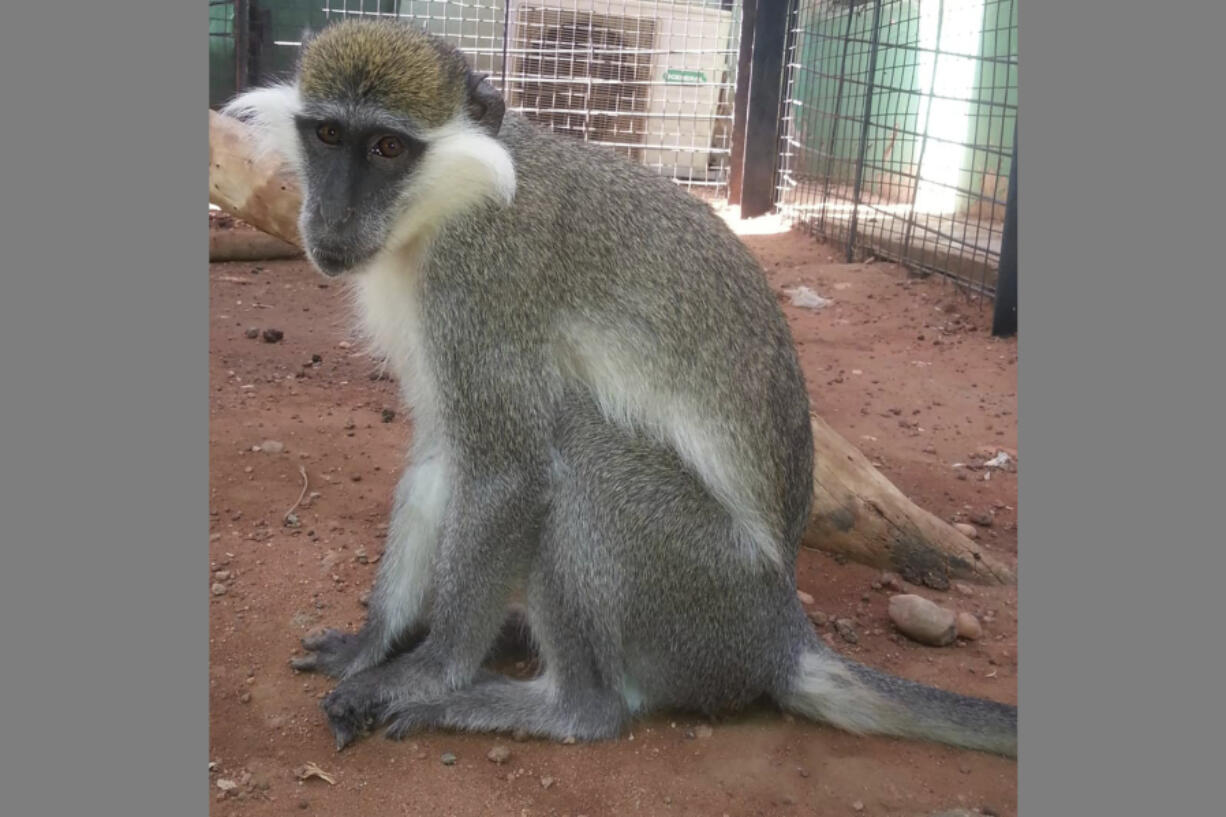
(328,134)
(389,147)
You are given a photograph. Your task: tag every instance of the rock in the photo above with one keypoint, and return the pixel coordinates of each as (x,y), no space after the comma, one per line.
(222,575)
(245,698)
(857,806)
(891,581)
(546,782)
(364,599)
(387,415)
(968,626)
(964,589)
(360,556)
(818,617)
(273,335)
(219,589)
(252,332)
(983,520)
(499,755)
(922,620)
(969,531)
(703,731)
(448,759)
(846,629)
(804,597)
(272,446)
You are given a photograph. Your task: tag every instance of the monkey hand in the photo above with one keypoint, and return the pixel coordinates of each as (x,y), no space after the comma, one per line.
(330,652)
(368,699)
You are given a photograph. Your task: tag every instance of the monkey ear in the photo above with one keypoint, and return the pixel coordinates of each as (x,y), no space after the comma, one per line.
(485,104)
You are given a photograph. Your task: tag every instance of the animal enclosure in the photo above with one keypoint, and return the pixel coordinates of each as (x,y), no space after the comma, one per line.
(886,127)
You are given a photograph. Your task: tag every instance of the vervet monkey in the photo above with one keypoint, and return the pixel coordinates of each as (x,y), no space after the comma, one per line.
(609,416)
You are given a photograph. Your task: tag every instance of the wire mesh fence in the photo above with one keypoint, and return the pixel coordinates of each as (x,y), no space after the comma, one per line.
(898,128)
(651,79)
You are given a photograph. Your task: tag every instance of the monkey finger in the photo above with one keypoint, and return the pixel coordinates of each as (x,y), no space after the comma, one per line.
(305,663)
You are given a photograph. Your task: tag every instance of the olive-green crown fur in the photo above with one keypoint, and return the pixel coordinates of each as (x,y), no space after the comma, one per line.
(386,62)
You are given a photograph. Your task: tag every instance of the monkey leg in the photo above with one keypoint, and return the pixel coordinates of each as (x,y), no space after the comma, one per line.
(537,707)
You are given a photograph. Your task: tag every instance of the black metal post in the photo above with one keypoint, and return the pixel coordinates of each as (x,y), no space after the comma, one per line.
(740,102)
(242,45)
(868,115)
(763,107)
(1004,315)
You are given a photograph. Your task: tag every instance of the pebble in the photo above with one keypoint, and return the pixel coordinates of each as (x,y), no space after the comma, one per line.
(272,446)
(546,782)
(388,415)
(891,581)
(219,589)
(969,531)
(245,698)
(983,520)
(221,575)
(252,333)
(847,630)
(818,617)
(964,589)
(857,806)
(703,731)
(360,556)
(448,759)
(922,620)
(968,626)
(273,335)
(804,597)
(499,755)
(364,599)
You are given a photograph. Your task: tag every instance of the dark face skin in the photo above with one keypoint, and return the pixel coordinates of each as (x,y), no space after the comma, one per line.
(357,162)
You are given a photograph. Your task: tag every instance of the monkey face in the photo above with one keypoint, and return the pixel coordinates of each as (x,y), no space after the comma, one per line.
(355,167)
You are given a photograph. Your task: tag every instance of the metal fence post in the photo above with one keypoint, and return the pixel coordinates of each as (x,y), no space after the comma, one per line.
(1004,313)
(740,103)
(242,45)
(868,114)
(762,110)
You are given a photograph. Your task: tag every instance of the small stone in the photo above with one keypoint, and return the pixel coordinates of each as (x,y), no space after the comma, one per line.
(364,599)
(219,589)
(703,731)
(387,415)
(499,755)
(272,446)
(519,735)
(968,626)
(983,520)
(964,767)
(546,782)
(846,630)
(891,581)
(245,698)
(964,589)
(304,804)
(818,617)
(448,759)
(360,556)
(857,806)
(804,597)
(273,335)
(221,575)
(922,620)
(316,359)
(969,531)
(569,740)
(252,332)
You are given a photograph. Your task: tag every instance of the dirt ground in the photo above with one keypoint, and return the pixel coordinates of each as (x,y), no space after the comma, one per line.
(905,368)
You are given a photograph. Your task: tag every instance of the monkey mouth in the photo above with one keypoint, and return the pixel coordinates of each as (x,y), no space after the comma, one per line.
(333,262)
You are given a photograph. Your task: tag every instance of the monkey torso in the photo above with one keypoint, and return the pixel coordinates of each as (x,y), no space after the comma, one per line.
(672,331)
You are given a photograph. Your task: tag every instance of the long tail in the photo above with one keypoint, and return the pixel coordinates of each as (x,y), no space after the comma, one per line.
(833,689)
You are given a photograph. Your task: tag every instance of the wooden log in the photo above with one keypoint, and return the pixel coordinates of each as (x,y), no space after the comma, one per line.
(860,514)
(262,191)
(857,512)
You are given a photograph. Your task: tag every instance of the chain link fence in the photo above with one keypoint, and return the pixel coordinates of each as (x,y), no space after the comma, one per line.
(898,130)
